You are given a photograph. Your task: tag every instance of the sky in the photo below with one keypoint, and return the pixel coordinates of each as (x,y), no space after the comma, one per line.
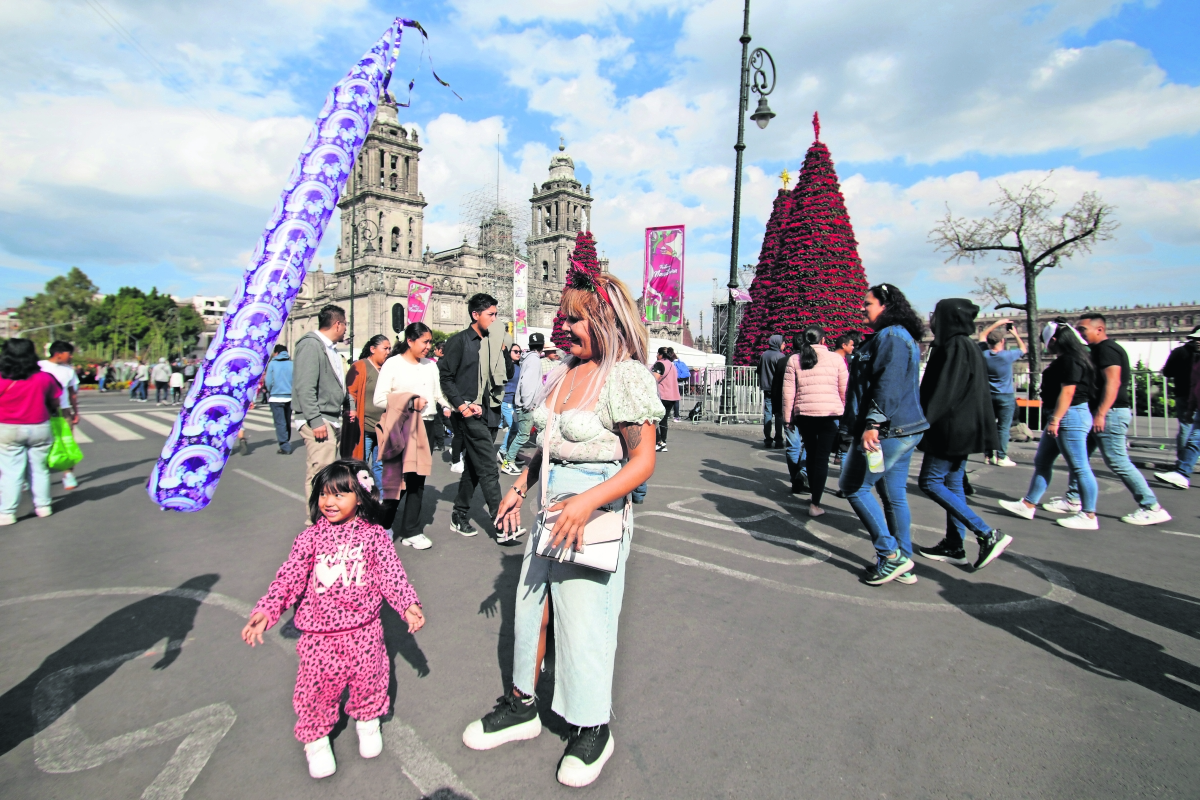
(146,141)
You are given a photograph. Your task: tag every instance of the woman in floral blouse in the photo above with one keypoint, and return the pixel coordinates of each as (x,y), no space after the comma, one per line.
(601,447)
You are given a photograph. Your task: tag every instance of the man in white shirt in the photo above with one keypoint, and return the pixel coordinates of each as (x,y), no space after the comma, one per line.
(59,365)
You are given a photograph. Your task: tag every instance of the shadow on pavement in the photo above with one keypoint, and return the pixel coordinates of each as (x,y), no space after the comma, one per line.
(87,493)
(120,637)
(104,472)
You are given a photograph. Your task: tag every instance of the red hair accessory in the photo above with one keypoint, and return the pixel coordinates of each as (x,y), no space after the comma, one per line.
(580,279)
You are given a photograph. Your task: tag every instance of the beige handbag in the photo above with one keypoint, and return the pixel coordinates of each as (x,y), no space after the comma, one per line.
(602,535)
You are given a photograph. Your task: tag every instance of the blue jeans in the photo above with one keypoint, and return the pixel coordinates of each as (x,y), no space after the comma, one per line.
(794,450)
(586,608)
(1003,406)
(506,415)
(281,414)
(1190,452)
(888,525)
(371,456)
(1071,442)
(21,445)
(771,419)
(942,480)
(1185,428)
(1114,449)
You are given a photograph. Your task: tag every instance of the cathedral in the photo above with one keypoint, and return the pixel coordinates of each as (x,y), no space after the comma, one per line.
(381,246)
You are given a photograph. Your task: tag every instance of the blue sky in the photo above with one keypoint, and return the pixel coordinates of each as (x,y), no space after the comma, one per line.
(158,168)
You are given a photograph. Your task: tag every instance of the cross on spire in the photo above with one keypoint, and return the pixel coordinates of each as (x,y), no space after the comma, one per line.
(562,145)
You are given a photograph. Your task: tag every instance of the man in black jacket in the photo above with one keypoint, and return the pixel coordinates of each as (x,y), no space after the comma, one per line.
(1179,370)
(473,373)
(771,359)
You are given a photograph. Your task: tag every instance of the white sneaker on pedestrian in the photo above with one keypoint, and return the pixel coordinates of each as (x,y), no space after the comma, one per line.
(320,758)
(1147,516)
(1080,522)
(69,481)
(1173,478)
(1004,461)
(418,542)
(458,466)
(1019,508)
(7,519)
(370,738)
(1061,505)
(43,511)
(989,460)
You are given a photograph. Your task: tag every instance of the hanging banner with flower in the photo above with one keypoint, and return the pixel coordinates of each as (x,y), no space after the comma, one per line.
(418,300)
(520,297)
(662,284)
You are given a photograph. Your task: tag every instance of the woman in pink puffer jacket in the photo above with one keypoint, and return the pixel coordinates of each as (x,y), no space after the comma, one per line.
(814,397)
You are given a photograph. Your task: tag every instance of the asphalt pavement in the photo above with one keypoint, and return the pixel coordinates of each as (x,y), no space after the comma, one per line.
(752,661)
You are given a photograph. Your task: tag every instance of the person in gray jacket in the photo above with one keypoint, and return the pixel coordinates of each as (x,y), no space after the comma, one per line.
(319,391)
(772,359)
(524,402)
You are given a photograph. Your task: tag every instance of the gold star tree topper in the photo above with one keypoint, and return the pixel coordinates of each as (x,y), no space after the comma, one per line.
(785,177)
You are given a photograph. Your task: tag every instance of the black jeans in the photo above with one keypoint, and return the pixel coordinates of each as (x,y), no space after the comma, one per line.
(411,498)
(162,391)
(435,430)
(480,468)
(456,443)
(669,407)
(818,435)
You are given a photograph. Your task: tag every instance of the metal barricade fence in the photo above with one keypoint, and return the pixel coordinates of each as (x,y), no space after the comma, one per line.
(721,394)
(1149,395)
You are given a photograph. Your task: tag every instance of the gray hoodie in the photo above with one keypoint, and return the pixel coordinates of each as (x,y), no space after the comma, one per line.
(530,381)
(768,362)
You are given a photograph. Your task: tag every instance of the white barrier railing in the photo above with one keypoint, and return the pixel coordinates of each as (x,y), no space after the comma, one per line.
(709,397)
(1149,394)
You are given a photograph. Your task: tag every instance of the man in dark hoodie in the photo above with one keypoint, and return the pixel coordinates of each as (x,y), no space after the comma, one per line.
(771,359)
(957,402)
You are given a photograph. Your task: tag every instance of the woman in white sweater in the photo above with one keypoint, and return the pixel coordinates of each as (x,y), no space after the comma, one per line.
(407,370)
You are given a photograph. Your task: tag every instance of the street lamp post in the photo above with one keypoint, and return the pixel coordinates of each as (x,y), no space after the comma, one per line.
(358,230)
(755,78)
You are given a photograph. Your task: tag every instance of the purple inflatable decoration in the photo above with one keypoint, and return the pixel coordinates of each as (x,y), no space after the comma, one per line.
(195,453)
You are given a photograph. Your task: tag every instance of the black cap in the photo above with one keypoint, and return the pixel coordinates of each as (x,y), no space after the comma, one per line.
(536,341)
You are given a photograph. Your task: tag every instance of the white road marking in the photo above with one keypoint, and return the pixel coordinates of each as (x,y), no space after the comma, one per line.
(803,561)
(418,762)
(1180,533)
(116,431)
(167,415)
(62,747)
(276,487)
(148,424)
(80,436)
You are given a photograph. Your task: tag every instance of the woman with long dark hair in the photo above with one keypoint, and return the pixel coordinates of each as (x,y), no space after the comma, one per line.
(28,396)
(884,423)
(957,401)
(1066,387)
(408,371)
(361,380)
(814,399)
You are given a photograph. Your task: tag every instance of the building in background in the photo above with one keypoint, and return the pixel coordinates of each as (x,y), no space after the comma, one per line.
(10,323)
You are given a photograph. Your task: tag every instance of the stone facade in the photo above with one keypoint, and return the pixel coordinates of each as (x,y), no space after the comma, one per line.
(384,203)
(1128,323)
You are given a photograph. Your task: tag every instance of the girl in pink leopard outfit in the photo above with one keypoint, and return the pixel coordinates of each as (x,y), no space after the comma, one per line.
(340,570)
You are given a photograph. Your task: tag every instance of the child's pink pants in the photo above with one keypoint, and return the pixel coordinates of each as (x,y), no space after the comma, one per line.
(330,663)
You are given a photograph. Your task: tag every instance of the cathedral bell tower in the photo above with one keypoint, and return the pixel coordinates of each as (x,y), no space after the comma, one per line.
(560,209)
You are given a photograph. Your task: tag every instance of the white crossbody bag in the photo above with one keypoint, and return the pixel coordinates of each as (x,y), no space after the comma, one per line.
(601,536)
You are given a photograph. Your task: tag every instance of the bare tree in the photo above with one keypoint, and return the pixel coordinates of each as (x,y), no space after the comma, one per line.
(1028,239)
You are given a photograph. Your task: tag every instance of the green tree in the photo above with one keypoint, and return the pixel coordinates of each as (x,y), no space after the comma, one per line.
(151,325)
(64,303)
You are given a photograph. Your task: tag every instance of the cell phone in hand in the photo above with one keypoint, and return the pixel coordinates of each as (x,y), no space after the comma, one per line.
(1008,326)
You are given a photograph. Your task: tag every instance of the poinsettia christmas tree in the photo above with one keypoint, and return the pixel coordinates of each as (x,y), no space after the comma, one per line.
(583,258)
(755,327)
(817,276)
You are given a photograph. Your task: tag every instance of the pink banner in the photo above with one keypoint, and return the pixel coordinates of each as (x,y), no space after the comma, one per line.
(662,285)
(418,300)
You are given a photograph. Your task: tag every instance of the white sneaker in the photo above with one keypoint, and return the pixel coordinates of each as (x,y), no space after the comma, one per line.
(1004,461)
(418,542)
(458,466)
(69,481)
(1173,478)
(989,460)
(1019,508)
(370,738)
(320,758)
(1147,516)
(501,536)
(8,519)
(1080,522)
(43,511)
(1061,505)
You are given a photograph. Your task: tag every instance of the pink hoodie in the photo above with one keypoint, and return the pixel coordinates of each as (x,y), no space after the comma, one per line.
(341,574)
(816,392)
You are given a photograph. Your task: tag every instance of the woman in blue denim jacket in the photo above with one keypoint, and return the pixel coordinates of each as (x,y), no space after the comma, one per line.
(883,413)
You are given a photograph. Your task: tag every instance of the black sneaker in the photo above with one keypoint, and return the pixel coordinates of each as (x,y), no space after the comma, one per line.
(588,750)
(461,525)
(889,569)
(991,546)
(944,551)
(512,720)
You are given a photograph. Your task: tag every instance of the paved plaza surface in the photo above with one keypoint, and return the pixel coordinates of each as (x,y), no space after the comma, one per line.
(752,661)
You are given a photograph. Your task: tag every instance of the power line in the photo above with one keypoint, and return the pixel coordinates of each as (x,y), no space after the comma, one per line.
(105,15)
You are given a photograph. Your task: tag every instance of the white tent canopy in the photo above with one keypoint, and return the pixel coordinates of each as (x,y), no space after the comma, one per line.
(695,359)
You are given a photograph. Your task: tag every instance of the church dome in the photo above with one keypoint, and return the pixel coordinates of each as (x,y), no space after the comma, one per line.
(562,166)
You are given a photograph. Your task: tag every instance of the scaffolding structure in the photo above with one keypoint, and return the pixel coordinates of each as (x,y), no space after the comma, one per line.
(492,222)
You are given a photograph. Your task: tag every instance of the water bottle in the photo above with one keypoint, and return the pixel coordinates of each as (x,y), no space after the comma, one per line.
(875,460)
